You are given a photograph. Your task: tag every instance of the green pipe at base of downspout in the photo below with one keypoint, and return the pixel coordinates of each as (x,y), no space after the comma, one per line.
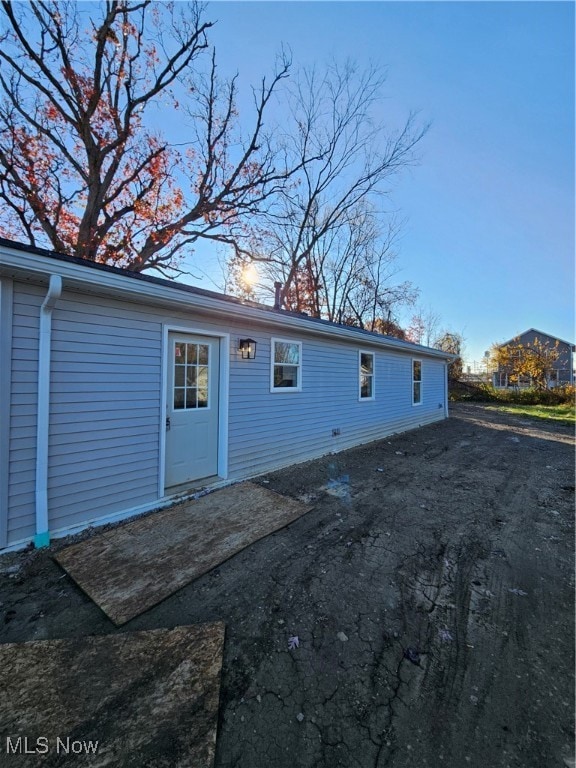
(42,540)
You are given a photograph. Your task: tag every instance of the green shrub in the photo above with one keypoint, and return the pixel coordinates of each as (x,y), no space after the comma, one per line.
(485,393)
(557,396)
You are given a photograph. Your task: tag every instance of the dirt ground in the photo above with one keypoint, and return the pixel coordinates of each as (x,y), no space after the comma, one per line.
(430,589)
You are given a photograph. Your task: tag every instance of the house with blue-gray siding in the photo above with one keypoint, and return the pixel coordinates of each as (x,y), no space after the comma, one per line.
(561,366)
(120,392)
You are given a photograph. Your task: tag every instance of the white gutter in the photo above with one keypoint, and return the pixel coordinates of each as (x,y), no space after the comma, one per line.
(42,537)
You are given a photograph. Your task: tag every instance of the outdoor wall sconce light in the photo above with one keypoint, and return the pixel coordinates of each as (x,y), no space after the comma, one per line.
(248,349)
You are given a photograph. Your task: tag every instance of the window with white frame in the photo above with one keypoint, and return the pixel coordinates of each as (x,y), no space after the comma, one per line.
(366,375)
(286,366)
(416,382)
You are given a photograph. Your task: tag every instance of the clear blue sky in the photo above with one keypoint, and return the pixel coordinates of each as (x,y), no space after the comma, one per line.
(490,233)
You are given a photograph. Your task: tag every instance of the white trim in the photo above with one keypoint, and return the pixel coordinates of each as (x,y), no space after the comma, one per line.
(223,398)
(417,360)
(54,292)
(299,366)
(372,375)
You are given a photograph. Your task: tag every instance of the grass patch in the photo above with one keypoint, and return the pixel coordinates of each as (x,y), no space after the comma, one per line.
(561,414)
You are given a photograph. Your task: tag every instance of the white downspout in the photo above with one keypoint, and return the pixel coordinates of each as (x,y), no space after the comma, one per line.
(42,537)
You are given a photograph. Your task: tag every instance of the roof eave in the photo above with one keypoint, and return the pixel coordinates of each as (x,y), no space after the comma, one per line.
(82,276)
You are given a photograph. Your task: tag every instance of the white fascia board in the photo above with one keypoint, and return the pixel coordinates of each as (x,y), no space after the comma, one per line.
(13,261)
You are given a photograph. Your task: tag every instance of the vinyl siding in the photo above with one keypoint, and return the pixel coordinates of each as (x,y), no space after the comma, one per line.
(272,429)
(106,394)
(105,410)
(27,300)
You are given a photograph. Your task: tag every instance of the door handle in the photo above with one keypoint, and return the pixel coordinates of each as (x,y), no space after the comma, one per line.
(167,423)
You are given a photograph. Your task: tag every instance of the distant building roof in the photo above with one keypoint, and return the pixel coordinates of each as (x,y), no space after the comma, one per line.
(536,332)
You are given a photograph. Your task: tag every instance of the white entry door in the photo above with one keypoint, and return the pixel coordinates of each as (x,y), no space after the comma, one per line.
(191,408)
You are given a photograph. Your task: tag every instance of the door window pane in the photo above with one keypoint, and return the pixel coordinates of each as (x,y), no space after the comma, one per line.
(191,371)
(203,377)
(191,354)
(190,398)
(179,371)
(178,399)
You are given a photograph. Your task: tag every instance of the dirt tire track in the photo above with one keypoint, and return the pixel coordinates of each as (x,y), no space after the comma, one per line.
(434,605)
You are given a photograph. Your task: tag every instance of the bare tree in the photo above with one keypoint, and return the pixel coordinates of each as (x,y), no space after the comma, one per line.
(309,237)
(79,168)
(348,277)
(358,278)
(423,328)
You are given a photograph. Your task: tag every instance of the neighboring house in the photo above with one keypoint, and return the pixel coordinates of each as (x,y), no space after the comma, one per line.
(562,368)
(121,391)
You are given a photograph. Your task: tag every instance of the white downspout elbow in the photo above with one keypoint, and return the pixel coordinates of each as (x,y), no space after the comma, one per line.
(42,537)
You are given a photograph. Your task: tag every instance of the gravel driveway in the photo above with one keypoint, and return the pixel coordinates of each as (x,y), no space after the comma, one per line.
(422,614)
